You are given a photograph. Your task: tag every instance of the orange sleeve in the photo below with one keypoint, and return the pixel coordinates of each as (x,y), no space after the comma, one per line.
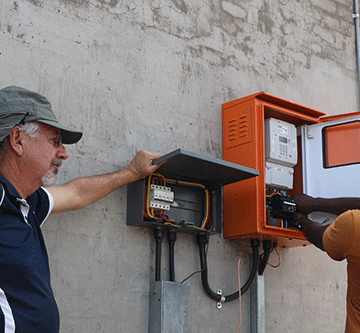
(338,238)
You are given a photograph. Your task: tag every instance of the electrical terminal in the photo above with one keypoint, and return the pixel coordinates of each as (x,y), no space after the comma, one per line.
(161,205)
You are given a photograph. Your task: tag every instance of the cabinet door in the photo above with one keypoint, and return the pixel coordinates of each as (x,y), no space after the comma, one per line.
(331,159)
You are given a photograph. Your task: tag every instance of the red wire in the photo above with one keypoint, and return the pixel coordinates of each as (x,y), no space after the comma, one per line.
(276,266)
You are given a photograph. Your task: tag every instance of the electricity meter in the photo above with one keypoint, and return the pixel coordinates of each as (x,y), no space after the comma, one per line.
(280,153)
(280,142)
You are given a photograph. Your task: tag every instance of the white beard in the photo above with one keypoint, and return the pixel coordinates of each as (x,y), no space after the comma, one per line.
(50,177)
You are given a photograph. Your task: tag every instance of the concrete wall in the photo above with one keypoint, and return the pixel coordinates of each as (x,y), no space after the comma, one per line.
(154,74)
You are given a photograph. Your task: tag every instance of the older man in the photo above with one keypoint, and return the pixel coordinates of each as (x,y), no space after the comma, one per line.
(31,151)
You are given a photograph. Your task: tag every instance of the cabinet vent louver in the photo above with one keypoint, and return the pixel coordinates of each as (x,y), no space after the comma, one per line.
(238,130)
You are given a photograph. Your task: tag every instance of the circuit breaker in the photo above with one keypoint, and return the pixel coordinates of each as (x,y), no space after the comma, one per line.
(184,194)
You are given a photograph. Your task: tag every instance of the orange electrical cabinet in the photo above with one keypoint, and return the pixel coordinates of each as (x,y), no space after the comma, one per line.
(326,145)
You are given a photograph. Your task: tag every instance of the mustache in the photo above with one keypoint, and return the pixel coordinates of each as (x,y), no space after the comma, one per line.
(56,161)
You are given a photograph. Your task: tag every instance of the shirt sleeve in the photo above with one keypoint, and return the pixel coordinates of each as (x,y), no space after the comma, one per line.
(51,204)
(339,237)
(2,194)
(42,204)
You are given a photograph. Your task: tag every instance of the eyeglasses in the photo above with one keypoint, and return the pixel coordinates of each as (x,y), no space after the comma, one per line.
(55,140)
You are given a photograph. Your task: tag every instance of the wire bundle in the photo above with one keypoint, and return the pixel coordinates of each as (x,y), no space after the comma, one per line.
(281,223)
(158,216)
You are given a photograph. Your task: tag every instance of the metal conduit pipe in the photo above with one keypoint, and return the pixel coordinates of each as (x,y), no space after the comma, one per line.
(357,41)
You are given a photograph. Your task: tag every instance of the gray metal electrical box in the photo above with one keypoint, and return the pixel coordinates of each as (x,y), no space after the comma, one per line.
(169,307)
(192,187)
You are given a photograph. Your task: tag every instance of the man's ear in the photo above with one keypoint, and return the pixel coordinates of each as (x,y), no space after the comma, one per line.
(16,139)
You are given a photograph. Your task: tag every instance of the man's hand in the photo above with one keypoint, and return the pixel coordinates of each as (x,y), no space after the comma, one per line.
(313,231)
(297,216)
(141,165)
(304,203)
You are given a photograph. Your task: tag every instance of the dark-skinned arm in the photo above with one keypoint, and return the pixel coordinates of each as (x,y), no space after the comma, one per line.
(313,231)
(307,204)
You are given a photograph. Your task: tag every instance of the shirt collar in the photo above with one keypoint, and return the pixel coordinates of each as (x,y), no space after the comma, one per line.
(9,187)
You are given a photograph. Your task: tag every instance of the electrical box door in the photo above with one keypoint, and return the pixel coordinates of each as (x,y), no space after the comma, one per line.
(331,159)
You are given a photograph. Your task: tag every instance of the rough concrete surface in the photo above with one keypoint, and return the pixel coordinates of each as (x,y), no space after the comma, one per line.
(153,74)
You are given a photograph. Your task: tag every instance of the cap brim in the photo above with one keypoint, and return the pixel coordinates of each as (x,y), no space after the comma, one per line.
(68,134)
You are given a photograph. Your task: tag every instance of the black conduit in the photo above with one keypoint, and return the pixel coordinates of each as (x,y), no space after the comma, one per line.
(202,241)
(268,246)
(171,240)
(158,237)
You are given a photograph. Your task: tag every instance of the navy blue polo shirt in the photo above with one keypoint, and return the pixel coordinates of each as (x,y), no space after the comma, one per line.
(27,302)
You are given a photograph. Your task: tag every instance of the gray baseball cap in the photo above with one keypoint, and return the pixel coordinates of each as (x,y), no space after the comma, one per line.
(21,105)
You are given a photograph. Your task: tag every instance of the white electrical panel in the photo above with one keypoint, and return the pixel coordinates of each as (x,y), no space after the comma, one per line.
(280,153)
(280,142)
(278,176)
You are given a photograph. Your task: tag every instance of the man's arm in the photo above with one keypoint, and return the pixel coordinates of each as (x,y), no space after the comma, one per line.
(81,192)
(313,231)
(307,204)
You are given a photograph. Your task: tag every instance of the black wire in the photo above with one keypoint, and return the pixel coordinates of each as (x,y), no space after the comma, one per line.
(171,241)
(202,240)
(158,237)
(268,246)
